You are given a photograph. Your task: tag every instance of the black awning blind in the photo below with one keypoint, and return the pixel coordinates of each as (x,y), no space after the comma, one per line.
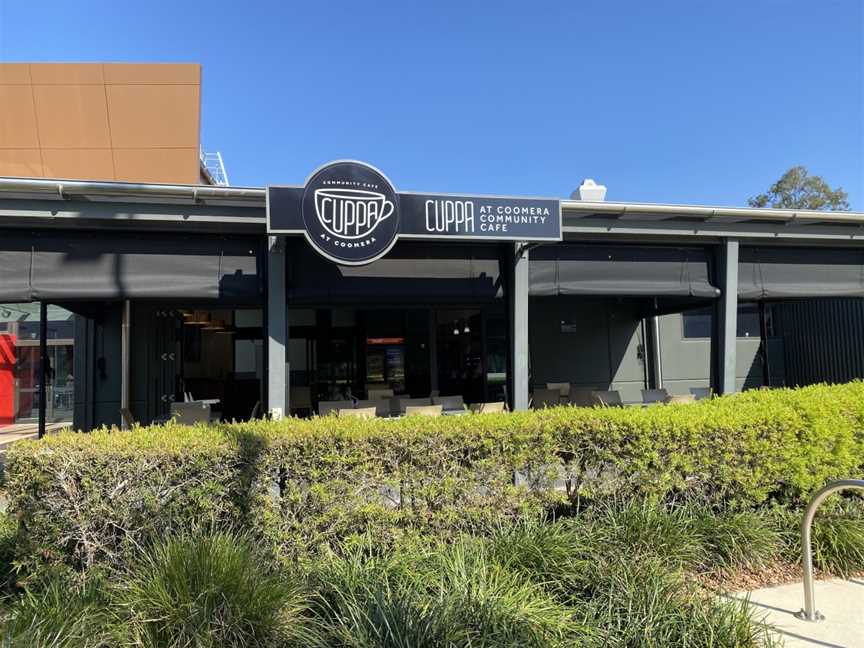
(626,270)
(789,273)
(15,260)
(83,266)
(410,272)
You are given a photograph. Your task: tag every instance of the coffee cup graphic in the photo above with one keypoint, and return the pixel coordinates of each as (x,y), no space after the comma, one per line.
(351,213)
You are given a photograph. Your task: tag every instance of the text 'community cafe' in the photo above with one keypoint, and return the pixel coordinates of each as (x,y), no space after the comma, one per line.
(135,302)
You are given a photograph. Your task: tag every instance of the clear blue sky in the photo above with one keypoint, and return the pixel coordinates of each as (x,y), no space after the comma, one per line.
(688,101)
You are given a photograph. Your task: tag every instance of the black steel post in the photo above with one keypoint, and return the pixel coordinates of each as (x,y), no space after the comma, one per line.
(43,366)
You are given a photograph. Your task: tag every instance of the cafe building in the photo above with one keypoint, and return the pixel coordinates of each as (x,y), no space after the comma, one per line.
(276,301)
(136,301)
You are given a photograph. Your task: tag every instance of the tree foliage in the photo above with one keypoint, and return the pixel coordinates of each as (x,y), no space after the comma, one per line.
(797,189)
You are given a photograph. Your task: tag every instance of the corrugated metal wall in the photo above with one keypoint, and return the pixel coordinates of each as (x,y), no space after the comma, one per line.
(823,339)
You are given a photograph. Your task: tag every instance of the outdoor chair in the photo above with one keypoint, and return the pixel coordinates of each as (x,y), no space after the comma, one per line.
(701,393)
(423,410)
(330,407)
(488,408)
(681,398)
(608,398)
(562,387)
(581,397)
(449,403)
(655,395)
(399,404)
(189,413)
(360,412)
(545,398)
(381,405)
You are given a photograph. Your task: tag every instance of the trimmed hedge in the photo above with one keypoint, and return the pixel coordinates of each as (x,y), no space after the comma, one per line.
(307,485)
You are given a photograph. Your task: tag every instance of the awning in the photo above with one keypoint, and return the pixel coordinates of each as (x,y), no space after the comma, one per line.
(106,266)
(788,273)
(623,270)
(411,272)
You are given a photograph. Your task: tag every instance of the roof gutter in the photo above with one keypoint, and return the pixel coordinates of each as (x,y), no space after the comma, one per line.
(68,188)
(256,197)
(621,209)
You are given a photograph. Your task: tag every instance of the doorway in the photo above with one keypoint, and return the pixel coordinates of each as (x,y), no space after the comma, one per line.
(461,357)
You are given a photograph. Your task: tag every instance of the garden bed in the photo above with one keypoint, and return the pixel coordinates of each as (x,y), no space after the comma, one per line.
(566,526)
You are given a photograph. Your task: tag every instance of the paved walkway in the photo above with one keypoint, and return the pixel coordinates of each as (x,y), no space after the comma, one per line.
(841,601)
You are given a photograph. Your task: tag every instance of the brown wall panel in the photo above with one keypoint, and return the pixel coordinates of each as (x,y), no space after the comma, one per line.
(72,116)
(157,165)
(14,73)
(152,73)
(80,164)
(17,117)
(149,116)
(95,121)
(66,74)
(26,163)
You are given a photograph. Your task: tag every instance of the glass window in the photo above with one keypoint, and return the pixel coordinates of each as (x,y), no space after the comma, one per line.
(697,324)
(20,366)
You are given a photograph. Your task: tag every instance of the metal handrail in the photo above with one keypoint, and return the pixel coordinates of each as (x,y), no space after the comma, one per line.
(809,612)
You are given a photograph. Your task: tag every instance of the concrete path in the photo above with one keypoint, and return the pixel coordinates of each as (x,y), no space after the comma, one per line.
(841,601)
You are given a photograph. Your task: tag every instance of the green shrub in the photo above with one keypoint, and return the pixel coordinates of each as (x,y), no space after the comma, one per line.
(209,590)
(8,533)
(436,595)
(308,486)
(57,616)
(641,603)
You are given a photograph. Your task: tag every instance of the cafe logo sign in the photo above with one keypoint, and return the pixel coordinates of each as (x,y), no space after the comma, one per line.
(350,212)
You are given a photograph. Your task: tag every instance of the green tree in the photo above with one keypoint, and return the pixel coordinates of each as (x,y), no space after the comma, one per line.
(797,189)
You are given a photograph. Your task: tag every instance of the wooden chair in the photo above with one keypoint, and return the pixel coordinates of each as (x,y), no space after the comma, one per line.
(488,408)
(581,397)
(423,410)
(333,407)
(381,405)
(681,399)
(545,398)
(655,395)
(609,398)
(360,412)
(562,387)
(399,404)
(449,403)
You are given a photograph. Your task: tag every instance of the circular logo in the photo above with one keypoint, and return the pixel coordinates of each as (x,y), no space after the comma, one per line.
(350,212)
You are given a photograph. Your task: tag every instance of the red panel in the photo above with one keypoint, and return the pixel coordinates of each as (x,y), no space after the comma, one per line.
(7,379)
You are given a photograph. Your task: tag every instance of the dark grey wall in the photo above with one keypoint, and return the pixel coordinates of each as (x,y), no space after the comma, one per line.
(810,353)
(603,351)
(600,353)
(686,362)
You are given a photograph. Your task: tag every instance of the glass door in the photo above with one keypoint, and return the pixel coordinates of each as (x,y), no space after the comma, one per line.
(461,365)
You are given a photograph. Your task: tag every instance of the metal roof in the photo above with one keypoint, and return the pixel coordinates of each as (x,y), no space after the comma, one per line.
(578,215)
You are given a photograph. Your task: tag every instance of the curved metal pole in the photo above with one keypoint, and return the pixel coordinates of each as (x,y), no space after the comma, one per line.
(809,612)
